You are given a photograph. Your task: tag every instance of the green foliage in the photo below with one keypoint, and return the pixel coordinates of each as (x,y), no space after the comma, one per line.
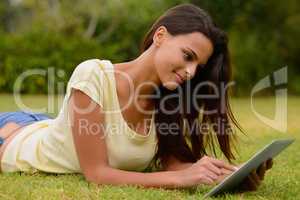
(61,34)
(262,37)
(40,50)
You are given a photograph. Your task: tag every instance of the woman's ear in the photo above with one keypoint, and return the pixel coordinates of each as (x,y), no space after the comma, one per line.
(160,35)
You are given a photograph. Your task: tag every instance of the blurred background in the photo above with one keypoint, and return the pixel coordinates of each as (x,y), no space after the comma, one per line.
(264,36)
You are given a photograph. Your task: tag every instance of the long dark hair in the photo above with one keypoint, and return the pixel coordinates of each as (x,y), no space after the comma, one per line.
(191,145)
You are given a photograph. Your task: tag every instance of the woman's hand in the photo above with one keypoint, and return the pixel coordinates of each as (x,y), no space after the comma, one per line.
(207,171)
(253,181)
(225,173)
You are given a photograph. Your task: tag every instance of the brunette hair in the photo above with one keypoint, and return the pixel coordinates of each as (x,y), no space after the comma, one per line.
(191,145)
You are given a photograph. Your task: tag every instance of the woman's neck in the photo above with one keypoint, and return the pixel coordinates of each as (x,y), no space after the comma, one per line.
(138,76)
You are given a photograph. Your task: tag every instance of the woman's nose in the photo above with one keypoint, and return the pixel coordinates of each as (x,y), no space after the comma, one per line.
(191,70)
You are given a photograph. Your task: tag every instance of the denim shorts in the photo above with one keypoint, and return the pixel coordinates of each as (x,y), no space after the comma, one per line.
(21,118)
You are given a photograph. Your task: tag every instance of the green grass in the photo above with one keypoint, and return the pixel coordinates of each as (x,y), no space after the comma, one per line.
(282,182)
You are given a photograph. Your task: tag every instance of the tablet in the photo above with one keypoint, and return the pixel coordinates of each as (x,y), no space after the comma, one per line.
(231,181)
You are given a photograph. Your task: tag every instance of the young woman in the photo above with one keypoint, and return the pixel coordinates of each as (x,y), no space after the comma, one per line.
(183,53)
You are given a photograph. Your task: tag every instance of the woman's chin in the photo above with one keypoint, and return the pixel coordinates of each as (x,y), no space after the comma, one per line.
(171,85)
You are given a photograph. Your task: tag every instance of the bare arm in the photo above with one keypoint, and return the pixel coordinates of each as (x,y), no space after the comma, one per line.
(173,164)
(108,175)
(91,149)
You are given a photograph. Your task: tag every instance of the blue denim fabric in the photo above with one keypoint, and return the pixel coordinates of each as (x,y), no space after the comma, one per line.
(20,117)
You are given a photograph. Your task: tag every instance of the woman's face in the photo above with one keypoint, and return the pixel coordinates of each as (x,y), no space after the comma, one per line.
(176,55)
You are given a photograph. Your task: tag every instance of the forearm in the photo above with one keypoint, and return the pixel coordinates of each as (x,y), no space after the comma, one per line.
(165,179)
(178,166)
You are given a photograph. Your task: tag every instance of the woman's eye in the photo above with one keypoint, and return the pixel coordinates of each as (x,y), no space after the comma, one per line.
(188,57)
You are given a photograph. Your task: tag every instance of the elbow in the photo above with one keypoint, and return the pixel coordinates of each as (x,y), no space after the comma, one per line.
(92,178)
(95,176)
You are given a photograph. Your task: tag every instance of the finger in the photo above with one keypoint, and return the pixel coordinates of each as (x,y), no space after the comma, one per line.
(225,171)
(255,177)
(207,180)
(269,163)
(222,164)
(221,178)
(251,183)
(261,170)
(217,171)
(211,175)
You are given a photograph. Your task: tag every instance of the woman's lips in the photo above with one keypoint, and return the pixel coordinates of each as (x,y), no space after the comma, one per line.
(179,78)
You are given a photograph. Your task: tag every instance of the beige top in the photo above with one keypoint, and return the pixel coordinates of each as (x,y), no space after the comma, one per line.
(48,145)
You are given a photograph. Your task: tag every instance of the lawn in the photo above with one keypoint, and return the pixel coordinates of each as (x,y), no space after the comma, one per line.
(282,182)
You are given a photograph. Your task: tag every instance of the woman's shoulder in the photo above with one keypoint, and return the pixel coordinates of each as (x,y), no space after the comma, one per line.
(90,77)
(90,64)
(91,67)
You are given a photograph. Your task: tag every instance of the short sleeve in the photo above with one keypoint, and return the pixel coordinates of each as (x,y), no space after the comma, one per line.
(88,78)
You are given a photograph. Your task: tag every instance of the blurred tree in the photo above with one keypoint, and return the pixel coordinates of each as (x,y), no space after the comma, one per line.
(61,33)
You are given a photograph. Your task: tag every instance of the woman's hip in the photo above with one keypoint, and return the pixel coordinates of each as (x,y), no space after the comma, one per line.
(11,123)
(21,118)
